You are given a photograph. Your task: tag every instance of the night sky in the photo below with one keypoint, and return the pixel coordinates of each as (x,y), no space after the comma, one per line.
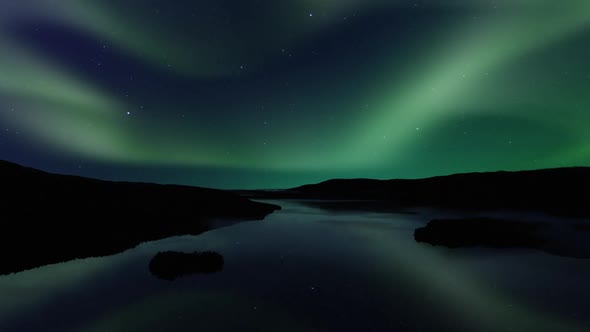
(267,94)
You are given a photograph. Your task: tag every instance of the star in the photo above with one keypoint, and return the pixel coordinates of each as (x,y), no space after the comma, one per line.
(309,67)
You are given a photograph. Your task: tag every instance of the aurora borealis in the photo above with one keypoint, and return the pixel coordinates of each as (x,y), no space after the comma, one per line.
(244,94)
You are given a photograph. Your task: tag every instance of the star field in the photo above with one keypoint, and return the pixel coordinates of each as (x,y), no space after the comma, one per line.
(267,94)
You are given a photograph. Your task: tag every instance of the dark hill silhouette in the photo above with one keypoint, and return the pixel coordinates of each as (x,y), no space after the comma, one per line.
(562,192)
(49,218)
(559,191)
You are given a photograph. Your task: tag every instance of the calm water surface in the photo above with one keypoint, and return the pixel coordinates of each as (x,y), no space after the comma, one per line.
(307,269)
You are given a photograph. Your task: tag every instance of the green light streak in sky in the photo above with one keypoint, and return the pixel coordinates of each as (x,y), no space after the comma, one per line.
(24,76)
(205,51)
(439,90)
(462,67)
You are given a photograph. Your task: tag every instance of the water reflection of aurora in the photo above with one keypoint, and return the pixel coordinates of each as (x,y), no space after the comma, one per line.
(306,269)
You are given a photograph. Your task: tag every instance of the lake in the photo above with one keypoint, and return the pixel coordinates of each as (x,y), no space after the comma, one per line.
(307,269)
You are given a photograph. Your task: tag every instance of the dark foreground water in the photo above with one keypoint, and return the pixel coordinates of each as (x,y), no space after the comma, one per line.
(306,269)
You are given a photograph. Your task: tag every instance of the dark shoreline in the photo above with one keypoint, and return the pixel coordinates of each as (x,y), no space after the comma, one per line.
(49,218)
(561,239)
(561,192)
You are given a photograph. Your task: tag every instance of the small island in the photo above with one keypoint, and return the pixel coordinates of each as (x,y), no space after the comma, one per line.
(486,232)
(569,240)
(169,265)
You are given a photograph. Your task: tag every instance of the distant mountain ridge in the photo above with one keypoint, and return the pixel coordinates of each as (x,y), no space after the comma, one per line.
(560,191)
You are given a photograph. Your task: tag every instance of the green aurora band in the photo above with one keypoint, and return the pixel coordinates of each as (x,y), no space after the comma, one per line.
(430,89)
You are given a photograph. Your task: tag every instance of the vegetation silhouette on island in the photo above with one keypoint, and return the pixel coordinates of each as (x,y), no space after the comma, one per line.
(169,265)
(569,239)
